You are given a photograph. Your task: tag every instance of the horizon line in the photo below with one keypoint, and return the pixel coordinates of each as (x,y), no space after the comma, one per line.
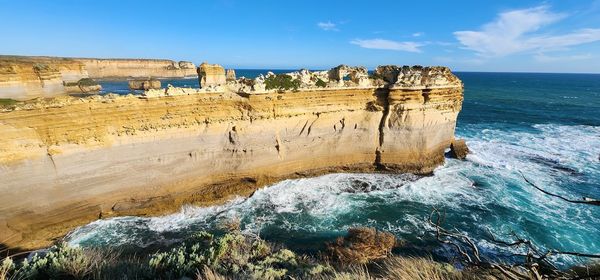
(294,68)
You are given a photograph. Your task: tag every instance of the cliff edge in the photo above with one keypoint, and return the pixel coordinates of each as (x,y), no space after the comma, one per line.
(73,160)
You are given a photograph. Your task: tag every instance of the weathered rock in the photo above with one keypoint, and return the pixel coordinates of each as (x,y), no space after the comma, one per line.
(230,76)
(144,84)
(85,85)
(459,149)
(357,75)
(187,65)
(90,88)
(211,75)
(173,91)
(388,73)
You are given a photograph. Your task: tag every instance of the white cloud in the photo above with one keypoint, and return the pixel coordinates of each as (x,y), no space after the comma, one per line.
(545,58)
(382,44)
(418,34)
(514,32)
(328,26)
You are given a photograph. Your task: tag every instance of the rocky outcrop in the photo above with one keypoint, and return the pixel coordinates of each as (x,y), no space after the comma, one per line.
(126,155)
(230,75)
(144,84)
(211,75)
(24,78)
(85,85)
(357,75)
(459,149)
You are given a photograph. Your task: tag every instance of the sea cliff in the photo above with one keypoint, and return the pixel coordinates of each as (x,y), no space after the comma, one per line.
(73,160)
(25,78)
(137,68)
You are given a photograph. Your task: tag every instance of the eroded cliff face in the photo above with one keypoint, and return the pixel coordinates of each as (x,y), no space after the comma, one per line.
(137,68)
(73,160)
(25,78)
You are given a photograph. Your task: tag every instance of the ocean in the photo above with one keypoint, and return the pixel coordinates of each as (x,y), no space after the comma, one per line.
(545,127)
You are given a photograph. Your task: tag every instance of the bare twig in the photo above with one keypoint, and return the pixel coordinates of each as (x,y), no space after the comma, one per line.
(585,200)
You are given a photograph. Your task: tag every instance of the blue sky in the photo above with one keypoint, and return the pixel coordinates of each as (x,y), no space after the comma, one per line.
(511,35)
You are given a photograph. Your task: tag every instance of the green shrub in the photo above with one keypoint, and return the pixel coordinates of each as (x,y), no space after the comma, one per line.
(59,262)
(7,101)
(321,83)
(230,255)
(282,82)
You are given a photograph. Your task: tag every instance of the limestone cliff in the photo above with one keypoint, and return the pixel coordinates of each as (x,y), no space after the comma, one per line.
(72,160)
(137,68)
(24,78)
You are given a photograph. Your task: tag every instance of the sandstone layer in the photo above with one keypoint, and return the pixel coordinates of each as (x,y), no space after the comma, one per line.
(24,78)
(73,160)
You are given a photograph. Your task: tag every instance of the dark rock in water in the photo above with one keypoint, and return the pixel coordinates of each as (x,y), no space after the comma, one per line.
(459,149)
(359,186)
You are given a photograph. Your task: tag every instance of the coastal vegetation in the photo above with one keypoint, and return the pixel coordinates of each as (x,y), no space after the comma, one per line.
(321,83)
(281,82)
(364,253)
(7,101)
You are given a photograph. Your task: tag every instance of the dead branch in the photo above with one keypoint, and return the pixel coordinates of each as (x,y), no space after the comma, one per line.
(534,258)
(585,200)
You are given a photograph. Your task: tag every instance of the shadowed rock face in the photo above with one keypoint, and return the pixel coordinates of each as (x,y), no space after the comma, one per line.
(126,155)
(459,149)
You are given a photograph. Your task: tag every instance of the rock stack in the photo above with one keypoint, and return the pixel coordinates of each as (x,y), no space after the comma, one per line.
(211,75)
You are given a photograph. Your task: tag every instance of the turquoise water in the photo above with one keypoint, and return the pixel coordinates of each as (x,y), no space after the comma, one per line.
(546,126)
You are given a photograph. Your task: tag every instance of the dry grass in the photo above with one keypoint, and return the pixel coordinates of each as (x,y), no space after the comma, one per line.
(362,245)
(408,268)
(419,269)
(209,274)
